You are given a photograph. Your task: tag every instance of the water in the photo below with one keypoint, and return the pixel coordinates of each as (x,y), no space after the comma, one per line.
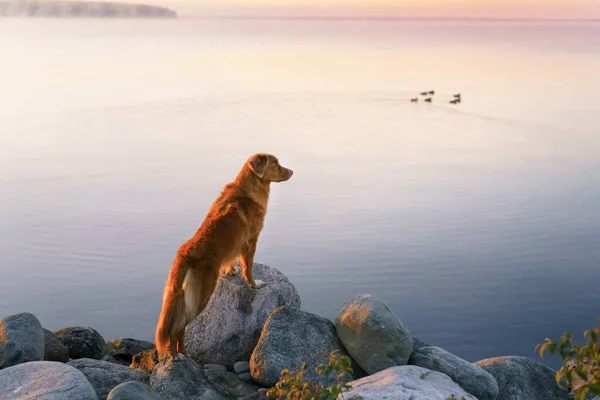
(479,223)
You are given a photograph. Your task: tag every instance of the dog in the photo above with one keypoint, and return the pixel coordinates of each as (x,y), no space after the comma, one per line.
(230,230)
(431,92)
(428,100)
(414,100)
(424,93)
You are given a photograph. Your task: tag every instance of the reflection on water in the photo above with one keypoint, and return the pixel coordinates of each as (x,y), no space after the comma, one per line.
(478,224)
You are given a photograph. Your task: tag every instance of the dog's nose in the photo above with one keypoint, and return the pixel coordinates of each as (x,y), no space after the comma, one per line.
(291,173)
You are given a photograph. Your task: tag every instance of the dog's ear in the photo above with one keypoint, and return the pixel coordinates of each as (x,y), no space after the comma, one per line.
(258,164)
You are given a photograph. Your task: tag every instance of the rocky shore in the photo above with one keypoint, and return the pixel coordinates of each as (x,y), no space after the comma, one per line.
(81,9)
(240,344)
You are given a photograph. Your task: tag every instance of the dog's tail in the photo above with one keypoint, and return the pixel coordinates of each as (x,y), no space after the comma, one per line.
(172,319)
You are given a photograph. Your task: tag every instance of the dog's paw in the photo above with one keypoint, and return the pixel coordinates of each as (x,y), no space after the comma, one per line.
(258,283)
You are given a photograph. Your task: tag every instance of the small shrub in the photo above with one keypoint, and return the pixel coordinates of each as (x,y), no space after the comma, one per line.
(582,363)
(292,387)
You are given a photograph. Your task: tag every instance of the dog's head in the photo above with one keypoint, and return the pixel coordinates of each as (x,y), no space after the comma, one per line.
(267,168)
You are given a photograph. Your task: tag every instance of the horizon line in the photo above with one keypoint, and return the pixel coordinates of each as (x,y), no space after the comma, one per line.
(381,18)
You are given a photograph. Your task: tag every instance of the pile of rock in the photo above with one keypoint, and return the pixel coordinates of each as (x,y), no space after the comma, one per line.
(238,347)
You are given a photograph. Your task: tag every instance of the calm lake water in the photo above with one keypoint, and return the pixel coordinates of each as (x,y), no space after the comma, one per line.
(479,223)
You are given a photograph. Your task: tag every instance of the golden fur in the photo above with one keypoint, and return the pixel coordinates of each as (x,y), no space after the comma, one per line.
(230,229)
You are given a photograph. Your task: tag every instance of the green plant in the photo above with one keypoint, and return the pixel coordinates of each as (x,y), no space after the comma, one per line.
(582,363)
(292,387)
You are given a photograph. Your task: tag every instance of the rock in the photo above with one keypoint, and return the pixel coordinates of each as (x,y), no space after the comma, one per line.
(175,380)
(146,360)
(126,348)
(229,384)
(241,366)
(417,344)
(47,380)
(260,394)
(54,350)
(245,376)
(372,334)
(82,342)
(407,382)
(469,376)
(23,339)
(218,367)
(104,376)
(229,327)
(133,391)
(115,360)
(523,378)
(289,338)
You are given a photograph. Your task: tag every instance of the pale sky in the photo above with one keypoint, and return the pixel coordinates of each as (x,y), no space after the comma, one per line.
(536,9)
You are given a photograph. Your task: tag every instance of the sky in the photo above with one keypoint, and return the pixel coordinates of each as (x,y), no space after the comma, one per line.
(528,9)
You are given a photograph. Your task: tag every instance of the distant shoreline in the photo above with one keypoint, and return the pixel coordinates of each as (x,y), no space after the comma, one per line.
(81,9)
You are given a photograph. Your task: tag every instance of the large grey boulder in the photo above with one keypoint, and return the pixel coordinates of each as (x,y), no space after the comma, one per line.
(289,338)
(104,376)
(523,378)
(469,376)
(373,334)
(133,391)
(21,340)
(407,382)
(54,350)
(82,342)
(216,366)
(126,348)
(47,380)
(229,327)
(175,380)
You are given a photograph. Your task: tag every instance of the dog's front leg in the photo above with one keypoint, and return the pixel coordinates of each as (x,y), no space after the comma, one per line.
(247,261)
